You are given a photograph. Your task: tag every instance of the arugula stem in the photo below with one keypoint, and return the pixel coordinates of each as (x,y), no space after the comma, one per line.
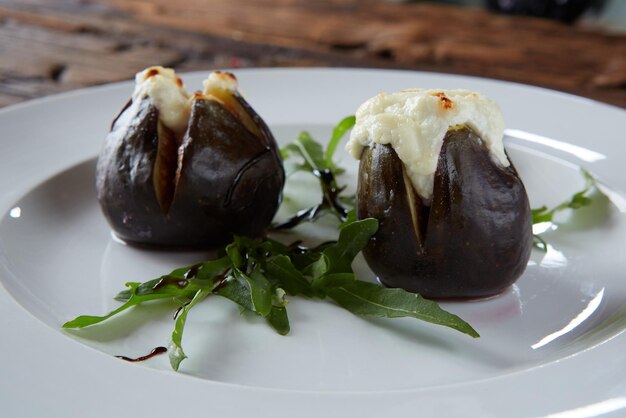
(330,203)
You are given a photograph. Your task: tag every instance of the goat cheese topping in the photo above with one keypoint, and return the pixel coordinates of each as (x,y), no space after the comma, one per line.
(168,95)
(219,80)
(414,123)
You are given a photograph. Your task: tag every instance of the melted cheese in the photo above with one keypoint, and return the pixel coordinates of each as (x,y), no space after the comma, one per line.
(168,95)
(219,80)
(414,123)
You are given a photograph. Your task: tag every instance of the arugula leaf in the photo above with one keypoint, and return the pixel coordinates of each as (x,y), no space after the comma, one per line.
(311,151)
(133,299)
(369,299)
(184,281)
(173,287)
(240,293)
(260,290)
(350,218)
(314,155)
(208,270)
(339,131)
(328,281)
(175,348)
(290,278)
(279,320)
(237,292)
(352,239)
(233,252)
(319,162)
(577,201)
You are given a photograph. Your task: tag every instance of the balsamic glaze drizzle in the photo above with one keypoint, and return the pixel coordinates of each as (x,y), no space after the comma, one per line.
(155,352)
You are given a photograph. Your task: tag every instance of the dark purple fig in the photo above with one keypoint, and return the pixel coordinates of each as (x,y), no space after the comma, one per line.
(473,240)
(220,176)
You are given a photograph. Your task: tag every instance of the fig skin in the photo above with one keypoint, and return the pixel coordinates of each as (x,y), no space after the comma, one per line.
(223,180)
(229,179)
(475,238)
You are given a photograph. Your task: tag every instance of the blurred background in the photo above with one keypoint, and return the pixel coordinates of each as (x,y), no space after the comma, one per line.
(577,46)
(605,14)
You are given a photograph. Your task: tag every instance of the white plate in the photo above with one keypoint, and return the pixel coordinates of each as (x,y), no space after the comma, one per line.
(552,343)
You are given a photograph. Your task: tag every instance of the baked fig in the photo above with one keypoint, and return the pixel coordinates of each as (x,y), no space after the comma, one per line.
(454,217)
(188,170)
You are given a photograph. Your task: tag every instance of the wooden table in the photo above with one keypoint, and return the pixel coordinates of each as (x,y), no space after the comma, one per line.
(49,46)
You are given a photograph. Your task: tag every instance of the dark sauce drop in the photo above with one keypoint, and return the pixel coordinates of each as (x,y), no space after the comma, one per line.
(193,271)
(166,280)
(155,352)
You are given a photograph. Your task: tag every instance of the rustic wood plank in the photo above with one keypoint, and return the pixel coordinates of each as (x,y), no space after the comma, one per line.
(71,43)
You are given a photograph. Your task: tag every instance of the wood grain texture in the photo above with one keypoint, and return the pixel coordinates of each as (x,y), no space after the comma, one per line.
(52,46)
